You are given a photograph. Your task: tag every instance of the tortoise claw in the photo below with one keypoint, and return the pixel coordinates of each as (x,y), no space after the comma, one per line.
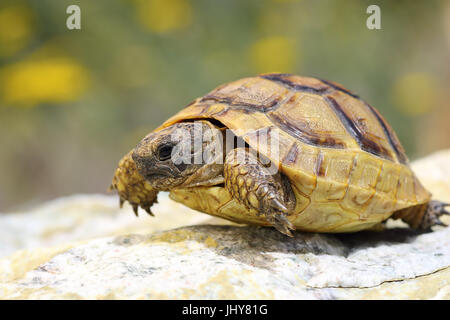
(121,202)
(277,215)
(439,207)
(277,205)
(148,210)
(440,223)
(432,216)
(135,210)
(443,211)
(282,224)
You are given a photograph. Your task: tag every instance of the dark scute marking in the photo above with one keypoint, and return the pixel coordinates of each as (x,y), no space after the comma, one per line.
(245,106)
(281,78)
(320,169)
(292,154)
(292,99)
(305,134)
(226,100)
(276,75)
(256,134)
(215,122)
(340,88)
(402,158)
(365,143)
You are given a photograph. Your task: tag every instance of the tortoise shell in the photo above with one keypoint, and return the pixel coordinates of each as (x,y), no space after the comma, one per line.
(345,163)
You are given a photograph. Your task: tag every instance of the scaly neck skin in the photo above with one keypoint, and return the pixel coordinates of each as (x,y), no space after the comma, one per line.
(210,173)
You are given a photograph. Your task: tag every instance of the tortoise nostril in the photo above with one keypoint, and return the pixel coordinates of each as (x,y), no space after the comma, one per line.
(144,164)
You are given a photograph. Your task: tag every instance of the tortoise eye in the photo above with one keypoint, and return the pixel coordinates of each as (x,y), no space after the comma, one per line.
(164,152)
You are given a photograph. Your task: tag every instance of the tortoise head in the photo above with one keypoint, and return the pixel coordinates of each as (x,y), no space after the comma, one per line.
(167,158)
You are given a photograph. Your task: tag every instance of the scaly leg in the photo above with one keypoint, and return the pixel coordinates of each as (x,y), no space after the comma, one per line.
(132,187)
(423,216)
(253,185)
(435,209)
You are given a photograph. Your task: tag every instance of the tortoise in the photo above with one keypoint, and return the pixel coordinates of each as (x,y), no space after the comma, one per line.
(306,154)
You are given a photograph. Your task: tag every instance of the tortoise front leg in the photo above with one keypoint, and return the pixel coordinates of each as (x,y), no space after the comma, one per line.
(132,187)
(256,187)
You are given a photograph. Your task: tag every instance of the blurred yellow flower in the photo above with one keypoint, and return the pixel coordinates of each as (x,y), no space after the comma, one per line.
(161,16)
(52,80)
(16,26)
(273,54)
(415,93)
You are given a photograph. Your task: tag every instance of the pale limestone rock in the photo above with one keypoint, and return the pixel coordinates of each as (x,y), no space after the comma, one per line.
(84,247)
(82,217)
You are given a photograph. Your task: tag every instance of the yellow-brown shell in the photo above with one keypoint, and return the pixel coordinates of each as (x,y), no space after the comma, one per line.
(345,163)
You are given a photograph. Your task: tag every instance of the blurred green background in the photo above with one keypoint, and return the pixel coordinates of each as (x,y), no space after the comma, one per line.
(72,102)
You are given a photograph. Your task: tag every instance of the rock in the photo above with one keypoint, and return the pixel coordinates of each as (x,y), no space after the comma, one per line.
(83,247)
(83,217)
(218,262)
